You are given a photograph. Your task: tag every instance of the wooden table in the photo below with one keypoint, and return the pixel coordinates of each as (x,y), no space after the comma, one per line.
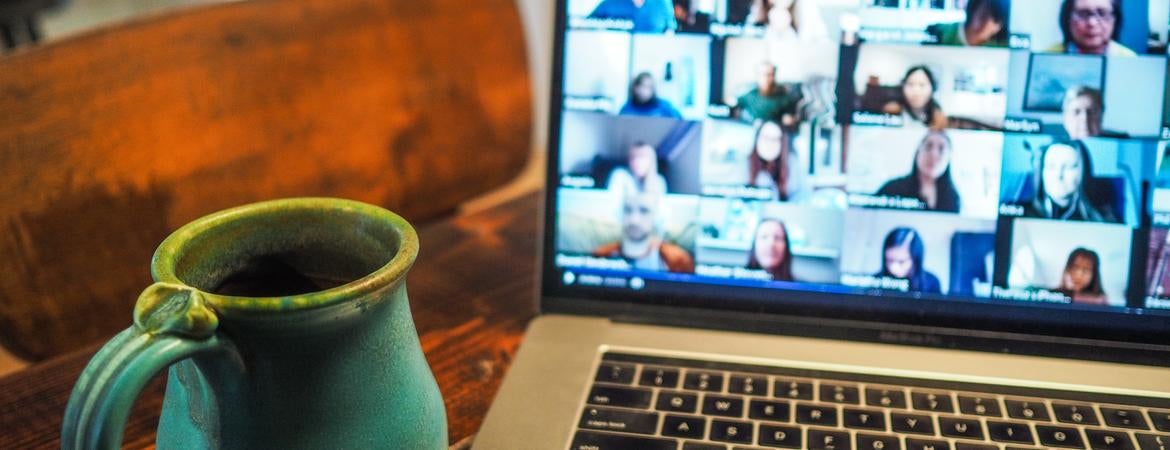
(472,293)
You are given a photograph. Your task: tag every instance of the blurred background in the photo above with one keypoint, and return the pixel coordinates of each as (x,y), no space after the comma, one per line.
(55,20)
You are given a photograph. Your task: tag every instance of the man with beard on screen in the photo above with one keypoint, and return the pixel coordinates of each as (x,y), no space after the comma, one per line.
(642,244)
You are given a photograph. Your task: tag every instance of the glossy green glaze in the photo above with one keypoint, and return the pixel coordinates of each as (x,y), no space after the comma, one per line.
(338,368)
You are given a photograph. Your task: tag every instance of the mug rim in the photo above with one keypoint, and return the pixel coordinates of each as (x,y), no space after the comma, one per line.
(165,259)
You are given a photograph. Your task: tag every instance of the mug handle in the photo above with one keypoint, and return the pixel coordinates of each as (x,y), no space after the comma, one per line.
(172,322)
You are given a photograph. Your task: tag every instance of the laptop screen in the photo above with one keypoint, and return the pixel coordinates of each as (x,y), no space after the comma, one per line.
(994,158)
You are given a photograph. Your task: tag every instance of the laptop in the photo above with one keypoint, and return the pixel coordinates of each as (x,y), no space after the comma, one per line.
(851,224)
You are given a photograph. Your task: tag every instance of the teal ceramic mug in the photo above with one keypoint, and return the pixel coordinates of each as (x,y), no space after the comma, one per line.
(285,324)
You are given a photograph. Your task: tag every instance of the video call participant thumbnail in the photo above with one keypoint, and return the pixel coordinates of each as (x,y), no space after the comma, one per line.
(1063,172)
(1091,27)
(643,99)
(985,25)
(622,153)
(942,171)
(918,252)
(1082,263)
(648,16)
(774,165)
(929,180)
(640,244)
(769,100)
(903,254)
(916,102)
(771,250)
(1081,280)
(640,175)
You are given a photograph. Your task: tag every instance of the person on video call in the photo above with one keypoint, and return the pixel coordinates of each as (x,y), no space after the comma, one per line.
(788,25)
(916,104)
(986,26)
(929,180)
(1091,27)
(771,251)
(649,16)
(769,100)
(641,245)
(771,163)
(1081,279)
(640,173)
(644,100)
(1082,113)
(1060,177)
(902,256)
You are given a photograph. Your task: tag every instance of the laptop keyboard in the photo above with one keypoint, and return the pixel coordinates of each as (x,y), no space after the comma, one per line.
(652,403)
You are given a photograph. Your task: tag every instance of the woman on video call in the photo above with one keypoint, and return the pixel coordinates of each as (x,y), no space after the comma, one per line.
(771,251)
(986,26)
(644,100)
(771,163)
(929,180)
(1091,27)
(640,175)
(916,104)
(1063,170)
(902,256)
(1081,279)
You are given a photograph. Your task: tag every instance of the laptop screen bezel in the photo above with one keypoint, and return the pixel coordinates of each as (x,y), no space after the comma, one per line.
(1022,329)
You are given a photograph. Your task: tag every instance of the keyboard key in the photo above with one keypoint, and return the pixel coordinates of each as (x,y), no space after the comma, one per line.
(733,432)
(1124,418)
(1027,409)
(966,446)
(1160,420)
(1059,437)
(979,406)
(792,389)
(816,415)
(1152,441)
(864,419)
(886,398)
(878,442)
(1075,414)
(615,373)
(590,440)
(840,393)
(684,427)
(960,428)
(769,410)
(618,420)
(619,396)
(748,385)
(659,377)
(1008,432)
(677,402)
(714,405)
(828,440)
(911,423)
(926,444)
(933,402)
(780,436)
(703,381)
(1109,440)
(703,446)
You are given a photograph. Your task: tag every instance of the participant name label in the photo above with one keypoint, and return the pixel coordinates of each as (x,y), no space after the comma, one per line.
(1029,295)
(590,262)
(881,201)
(738,273)
(1017,125)
(869,118)
(873,282)
(601,24)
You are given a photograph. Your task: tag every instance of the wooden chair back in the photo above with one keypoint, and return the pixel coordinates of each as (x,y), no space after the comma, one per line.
(111,140)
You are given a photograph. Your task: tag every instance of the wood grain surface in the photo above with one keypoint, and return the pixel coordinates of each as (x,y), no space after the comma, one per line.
(472,293)
(112,139)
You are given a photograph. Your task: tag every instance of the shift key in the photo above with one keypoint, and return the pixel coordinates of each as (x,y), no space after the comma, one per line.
(589,440)
(619,420)
(620,396)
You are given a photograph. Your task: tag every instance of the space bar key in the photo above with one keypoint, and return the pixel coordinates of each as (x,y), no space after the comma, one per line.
(589,440)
